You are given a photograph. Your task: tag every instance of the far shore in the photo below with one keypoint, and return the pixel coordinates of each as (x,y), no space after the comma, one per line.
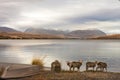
(59,39)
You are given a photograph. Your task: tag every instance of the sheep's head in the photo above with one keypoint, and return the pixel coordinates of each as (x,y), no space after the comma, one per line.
(68,63)
(80,60)
(96,62)
(56,61)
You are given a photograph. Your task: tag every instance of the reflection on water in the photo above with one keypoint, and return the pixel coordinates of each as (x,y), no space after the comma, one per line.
(23,51)
(14,54)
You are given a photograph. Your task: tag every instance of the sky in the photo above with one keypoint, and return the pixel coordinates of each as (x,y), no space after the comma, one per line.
(61,14)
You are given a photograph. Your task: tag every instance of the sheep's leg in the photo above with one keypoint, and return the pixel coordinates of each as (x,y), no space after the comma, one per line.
(86,68)
(78,69)
(93,68)
(70,69)
(102,69)
(73,68)
(51,69)
(97,69)
(106,69)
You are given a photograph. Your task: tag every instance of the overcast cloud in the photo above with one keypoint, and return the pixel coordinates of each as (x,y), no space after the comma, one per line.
(61,14)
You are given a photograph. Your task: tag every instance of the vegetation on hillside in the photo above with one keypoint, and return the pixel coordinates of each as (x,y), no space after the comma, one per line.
(21,35)
(113,36)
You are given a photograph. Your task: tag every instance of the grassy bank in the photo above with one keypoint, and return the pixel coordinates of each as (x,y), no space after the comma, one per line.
(47,75)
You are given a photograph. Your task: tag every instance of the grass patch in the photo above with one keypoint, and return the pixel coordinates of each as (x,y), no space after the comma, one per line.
(38,61)
(66,75)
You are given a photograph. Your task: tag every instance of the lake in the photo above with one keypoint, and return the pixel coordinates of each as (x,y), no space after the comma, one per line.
(23,51)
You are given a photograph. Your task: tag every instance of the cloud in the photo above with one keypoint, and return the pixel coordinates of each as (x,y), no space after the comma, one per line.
(60,14)
(102,15)
(9,11)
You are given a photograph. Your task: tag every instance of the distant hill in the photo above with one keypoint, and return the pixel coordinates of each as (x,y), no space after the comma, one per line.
(70,34)
(6,29)
(38,33)
(86,33)
(46,31)
(112,36)
(22,35)
(9,33)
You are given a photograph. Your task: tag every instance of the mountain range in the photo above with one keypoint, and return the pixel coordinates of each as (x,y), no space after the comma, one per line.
(6,29)
(70,34)
(38,33)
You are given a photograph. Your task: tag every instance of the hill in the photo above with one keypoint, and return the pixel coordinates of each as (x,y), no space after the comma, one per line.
(45,31)
(69,34)
(112,36)
(9,33)
(86,33)
(6,29)
(21,35)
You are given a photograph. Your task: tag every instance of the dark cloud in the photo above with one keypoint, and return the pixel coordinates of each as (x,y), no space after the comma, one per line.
(102,15)
(105,15)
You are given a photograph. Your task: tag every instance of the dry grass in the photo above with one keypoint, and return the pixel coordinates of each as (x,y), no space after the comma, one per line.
(23,35)
(38,61)
(47,75)
(113,36)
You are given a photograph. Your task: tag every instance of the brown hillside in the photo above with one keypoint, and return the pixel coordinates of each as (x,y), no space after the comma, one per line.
(113,36)
(20,35)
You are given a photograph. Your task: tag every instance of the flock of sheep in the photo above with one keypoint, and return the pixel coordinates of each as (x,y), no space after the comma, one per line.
(102,66)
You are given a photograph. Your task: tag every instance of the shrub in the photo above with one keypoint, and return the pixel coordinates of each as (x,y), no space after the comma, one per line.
(37,61)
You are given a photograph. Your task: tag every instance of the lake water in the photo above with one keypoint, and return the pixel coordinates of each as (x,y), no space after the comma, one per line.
(23,51)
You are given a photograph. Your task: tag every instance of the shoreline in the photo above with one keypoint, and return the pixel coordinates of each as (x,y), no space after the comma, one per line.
(31,72)
(66,75)
(60,39)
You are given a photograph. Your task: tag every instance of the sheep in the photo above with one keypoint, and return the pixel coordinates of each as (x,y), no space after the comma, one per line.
(91,65)
(101,66)
(74,65)
(56,66)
